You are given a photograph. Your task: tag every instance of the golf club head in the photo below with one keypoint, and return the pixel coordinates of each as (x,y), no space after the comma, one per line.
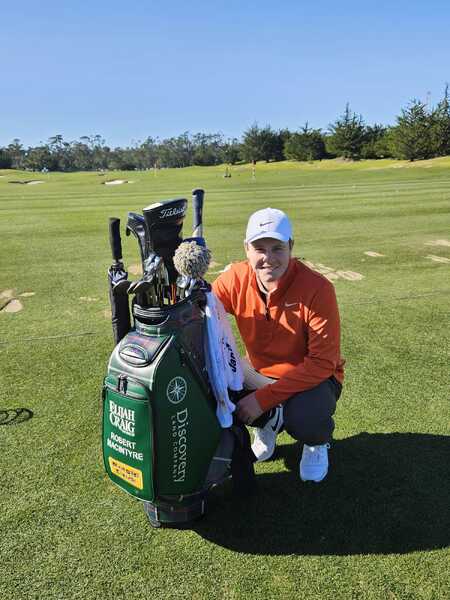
(151,265)
(136,225)
(164,222)
(117,274)
(192,284)
(140,287)
(183,281)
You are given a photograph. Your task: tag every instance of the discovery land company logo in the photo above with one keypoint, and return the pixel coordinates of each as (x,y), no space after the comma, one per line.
(176,392)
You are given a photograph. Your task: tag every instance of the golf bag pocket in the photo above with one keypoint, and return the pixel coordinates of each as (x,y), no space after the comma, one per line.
(128,436)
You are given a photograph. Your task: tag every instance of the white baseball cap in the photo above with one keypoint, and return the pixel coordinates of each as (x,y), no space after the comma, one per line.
(270,223)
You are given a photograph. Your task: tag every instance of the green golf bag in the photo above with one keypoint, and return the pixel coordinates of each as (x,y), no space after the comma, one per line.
(162,442)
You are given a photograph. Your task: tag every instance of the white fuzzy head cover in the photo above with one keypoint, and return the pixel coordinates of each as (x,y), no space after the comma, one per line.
(192,260)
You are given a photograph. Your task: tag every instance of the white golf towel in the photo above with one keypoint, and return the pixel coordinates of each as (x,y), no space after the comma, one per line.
(222,358)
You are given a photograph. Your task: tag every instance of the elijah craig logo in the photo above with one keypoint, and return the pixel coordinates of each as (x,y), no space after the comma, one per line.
(122,418)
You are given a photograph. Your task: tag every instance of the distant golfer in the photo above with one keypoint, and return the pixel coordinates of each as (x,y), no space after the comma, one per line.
(288,318)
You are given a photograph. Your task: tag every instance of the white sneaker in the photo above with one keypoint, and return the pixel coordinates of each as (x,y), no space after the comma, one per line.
(314,463)
(265,437)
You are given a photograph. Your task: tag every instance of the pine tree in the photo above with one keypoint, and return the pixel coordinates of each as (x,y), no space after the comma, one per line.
(17,153)
(348,134)
(412,135)
(262,144)
(440,126)
(376,142)
(307,144)
(5,159)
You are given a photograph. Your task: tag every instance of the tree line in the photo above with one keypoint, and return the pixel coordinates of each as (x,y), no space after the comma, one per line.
(420,132)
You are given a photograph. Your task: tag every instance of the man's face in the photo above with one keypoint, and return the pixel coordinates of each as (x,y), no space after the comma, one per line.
(269,258)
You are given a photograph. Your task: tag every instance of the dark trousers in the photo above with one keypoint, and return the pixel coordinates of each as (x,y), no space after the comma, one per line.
(308,416)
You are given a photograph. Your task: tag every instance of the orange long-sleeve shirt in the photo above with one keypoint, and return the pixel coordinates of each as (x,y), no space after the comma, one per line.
(293,336)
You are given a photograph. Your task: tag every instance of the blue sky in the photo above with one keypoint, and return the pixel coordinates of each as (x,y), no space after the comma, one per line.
(128,70)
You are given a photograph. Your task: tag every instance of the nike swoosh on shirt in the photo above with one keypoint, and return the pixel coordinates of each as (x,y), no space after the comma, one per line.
(288,304)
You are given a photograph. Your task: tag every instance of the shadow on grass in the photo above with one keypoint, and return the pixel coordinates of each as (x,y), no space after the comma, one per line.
(14,416)
(385,493)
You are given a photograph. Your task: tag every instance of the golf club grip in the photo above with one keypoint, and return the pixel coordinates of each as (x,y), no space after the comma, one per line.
(197,205)
(114,238)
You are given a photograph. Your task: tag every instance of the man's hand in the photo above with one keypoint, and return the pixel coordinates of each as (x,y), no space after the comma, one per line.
(248,409)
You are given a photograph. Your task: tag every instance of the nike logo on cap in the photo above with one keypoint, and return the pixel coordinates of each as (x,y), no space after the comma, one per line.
(267,223)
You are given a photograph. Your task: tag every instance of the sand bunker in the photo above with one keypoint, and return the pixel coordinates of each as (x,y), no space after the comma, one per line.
(12,306)
(116,182)
(440,259)
(6,296)
(438,243)
(371,253)
(9,300)
(27,181)
(332,274)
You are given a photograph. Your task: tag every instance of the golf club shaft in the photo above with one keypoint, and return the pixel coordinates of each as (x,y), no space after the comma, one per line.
(197,205)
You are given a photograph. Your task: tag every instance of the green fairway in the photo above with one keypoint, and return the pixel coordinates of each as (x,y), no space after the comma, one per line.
(377,527)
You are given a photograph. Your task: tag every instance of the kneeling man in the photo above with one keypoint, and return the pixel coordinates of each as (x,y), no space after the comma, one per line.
(288,318)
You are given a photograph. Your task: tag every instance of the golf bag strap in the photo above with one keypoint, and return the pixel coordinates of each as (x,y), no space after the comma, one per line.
(242,470)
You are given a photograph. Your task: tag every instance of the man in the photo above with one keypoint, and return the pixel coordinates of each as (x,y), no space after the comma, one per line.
(288,319)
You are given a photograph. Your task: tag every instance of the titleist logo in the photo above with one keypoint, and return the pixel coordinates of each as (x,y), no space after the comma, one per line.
(170,212)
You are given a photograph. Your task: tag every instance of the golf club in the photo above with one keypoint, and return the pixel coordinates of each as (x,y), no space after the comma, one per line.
(118,284)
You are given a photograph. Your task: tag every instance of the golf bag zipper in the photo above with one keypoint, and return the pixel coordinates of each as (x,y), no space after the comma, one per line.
(187,361)
(122,384)
(128,393)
